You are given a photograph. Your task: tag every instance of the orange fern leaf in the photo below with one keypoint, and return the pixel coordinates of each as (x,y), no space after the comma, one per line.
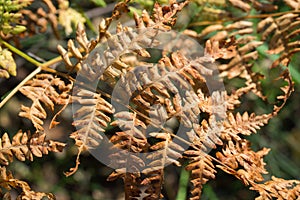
(45,91)
(24,146)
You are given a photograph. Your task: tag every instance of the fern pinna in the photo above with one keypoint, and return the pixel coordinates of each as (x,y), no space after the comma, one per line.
(170,109)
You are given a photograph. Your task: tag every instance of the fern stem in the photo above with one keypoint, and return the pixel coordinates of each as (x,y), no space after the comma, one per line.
(16,89)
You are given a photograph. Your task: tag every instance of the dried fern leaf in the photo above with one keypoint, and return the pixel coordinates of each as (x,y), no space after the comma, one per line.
(132,183)
(241,161)
(206,136)
(74,51)
(90,119)
(158,83)
(241,5)
(24,146)
(278,188)
(247,5)
(202,170)
(203,138)
(165,152)
(45,91)
(88,45)
(7,181)
(244,124)
(163,17)
(128,143)
(132,139)
(287,91)
(153,184)
(238,56)
(282,36)
(295,4)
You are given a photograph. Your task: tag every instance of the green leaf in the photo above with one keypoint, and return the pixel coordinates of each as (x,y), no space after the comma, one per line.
(100,3)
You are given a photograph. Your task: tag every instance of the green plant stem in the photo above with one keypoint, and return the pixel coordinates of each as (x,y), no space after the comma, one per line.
(20,53)
(183,184)
(40,66)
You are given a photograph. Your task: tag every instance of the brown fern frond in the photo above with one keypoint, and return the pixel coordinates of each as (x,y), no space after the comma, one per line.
(237,28)
(176,88)
(249,4)
(86,45)
(287,91)
(73,51)
(204,137)
(130,141)
(243,162)
(232,100)
(7,181)
(45,91)
(166,78)
(295,4)
(202,170)
(24,146)
(281,33)
(153,184)
(90,119)
(163,17)
(239,52)
(165,152)
(277,188)
(244,124)
(240,65)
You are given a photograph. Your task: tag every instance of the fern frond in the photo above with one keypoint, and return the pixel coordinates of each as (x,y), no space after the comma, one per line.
(249,4)
(244,124)
(7,181)
(163,17)
(45,91)
(293,4)
(206,136)
(278,188)
(86,44)
(239,56)
(202,170)
(281,33)
(132,138)
(90,119)
(287,91)
(153,184)
(24,146)
(132,183)
(241,161)
(128,143)
(203,138)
